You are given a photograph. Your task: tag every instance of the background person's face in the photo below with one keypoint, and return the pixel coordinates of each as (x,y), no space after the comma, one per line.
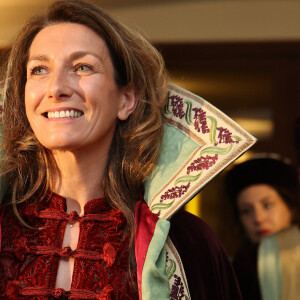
(262,211)
(71,98)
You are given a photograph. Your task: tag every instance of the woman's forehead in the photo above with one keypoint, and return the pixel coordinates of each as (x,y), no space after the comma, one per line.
(257,193)
(67,37)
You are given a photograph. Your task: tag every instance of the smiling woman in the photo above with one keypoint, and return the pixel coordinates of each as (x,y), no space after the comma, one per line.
(84,99)
(70,72)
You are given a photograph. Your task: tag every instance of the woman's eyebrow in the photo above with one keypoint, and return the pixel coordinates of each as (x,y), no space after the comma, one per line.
(40,57)
(80,54)
(73,56)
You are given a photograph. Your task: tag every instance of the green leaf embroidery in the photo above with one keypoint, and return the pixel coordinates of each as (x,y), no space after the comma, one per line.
(213,129)
(216,150)
(171,269)
(167,111)
(188,178)
(236,138)
(188,114)
(159,206)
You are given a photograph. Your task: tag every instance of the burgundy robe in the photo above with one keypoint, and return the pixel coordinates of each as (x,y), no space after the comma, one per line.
(209,273)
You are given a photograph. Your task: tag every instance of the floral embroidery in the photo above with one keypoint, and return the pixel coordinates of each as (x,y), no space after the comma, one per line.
(220,141)
(177,290)
(177,106)
(175,192)
(202,163)
(174,268)
(200,120)
(225,136)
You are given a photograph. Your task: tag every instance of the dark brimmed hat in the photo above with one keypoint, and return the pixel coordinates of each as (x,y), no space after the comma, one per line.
(283,177)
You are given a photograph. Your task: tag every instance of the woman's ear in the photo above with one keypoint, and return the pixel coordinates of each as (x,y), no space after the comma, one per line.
(128,102)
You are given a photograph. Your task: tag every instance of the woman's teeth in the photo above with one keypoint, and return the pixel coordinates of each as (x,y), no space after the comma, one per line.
(64,114)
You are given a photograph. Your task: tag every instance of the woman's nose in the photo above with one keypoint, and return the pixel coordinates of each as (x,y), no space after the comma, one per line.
(258,216)
(59,87)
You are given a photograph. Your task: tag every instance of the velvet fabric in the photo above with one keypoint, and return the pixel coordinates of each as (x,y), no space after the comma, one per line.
(245,266)
(207,267)
(29,258)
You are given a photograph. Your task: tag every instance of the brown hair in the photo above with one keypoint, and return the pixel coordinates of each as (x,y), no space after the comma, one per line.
(136,144)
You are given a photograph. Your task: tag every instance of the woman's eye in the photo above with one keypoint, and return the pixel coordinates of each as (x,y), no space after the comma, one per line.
(268,205)
(245,211)
(83,68)
(38,71)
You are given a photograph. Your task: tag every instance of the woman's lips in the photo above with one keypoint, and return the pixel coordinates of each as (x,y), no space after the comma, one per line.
(63,114)
(264,232)
(73,113)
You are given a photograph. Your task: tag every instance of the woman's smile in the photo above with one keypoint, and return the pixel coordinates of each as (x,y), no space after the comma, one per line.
(63,114)
(71,98)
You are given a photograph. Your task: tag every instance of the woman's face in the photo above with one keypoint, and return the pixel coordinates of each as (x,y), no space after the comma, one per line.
(71,98)
(262,211)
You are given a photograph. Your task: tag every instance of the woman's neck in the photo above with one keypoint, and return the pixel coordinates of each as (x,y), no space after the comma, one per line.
(80,177)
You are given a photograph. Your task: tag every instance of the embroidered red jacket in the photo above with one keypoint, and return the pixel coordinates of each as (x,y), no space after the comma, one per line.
(29,257)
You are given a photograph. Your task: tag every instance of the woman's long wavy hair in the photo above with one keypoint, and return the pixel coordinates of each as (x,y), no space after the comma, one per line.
(29,167)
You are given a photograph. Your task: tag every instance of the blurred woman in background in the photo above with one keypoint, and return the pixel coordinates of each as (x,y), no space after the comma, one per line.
(264,193)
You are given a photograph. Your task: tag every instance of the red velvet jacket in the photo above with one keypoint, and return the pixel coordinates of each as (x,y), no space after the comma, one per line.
(29,258)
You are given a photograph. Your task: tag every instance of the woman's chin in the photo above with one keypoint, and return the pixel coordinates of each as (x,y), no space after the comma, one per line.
(61,145)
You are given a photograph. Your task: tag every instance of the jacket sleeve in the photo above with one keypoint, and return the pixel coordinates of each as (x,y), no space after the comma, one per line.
(207,267)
